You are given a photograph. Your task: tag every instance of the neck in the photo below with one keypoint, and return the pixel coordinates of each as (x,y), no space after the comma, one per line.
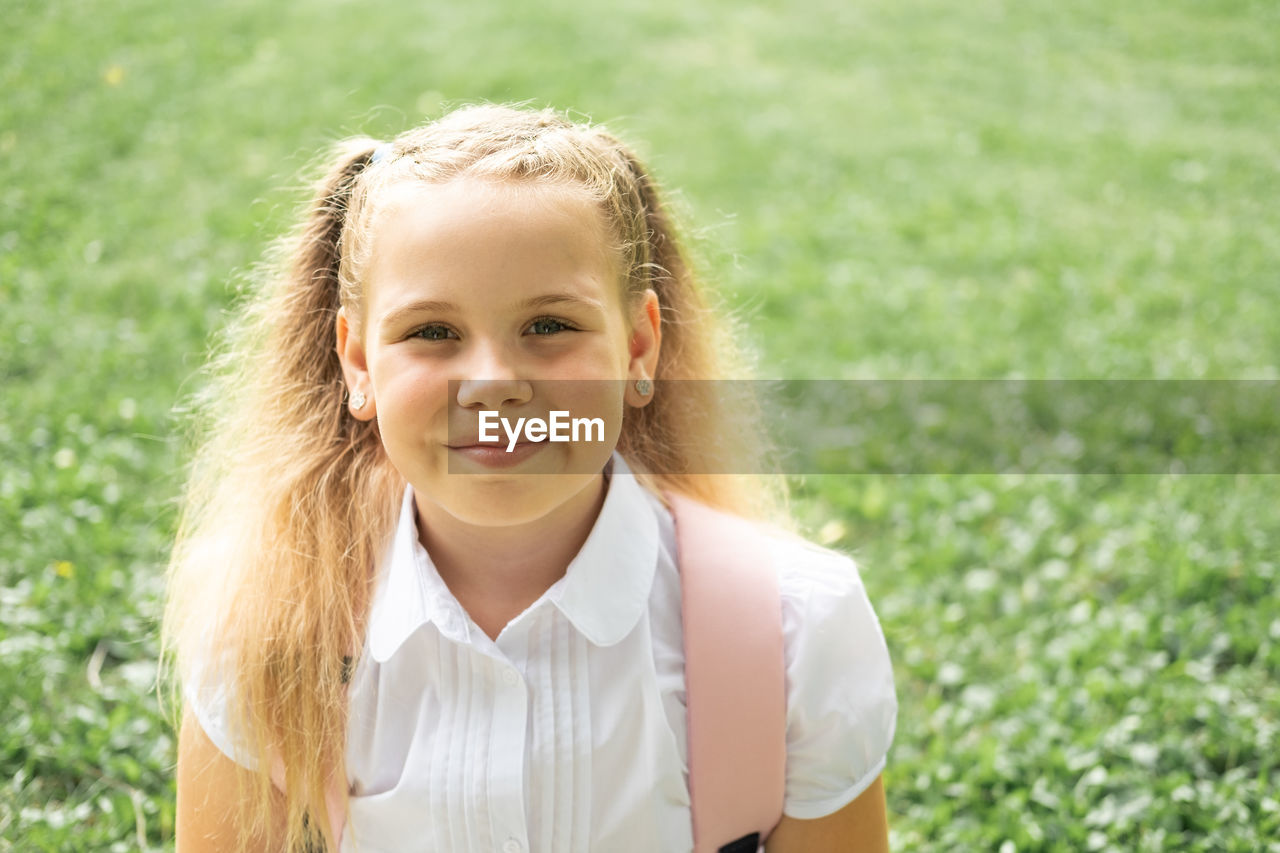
(496,572)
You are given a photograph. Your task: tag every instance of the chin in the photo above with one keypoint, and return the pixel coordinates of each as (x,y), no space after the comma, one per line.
(510,500)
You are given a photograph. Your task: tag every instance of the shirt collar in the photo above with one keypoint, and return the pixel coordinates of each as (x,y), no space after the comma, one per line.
(603,592)
(607,585)
(410,592)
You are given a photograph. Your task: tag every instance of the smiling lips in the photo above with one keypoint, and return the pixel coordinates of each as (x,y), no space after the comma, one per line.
(492,455)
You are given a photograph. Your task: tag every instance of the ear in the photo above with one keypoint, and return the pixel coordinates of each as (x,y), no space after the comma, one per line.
(355,367)
(643,348)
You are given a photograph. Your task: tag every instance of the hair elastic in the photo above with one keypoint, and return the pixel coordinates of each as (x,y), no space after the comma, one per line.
(380,153)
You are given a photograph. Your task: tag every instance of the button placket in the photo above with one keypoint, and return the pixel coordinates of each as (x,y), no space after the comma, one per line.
(508,757)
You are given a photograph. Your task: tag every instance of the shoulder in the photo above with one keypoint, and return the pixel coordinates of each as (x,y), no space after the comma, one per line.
(209,693)
(841,703)
(819,588)
(806,570)
(828,621)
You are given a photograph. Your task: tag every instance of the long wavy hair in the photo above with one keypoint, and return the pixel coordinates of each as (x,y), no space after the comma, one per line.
(291,500)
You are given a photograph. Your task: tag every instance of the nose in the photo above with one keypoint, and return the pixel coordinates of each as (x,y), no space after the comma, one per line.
(492,381)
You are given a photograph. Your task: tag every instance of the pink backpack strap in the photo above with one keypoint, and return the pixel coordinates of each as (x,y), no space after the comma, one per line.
(735,678)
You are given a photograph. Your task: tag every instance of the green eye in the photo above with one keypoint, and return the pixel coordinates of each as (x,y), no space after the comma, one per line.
(548,326)
(434,332)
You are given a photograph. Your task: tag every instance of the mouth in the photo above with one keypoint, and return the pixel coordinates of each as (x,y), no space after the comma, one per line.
(467,444)
(491,455)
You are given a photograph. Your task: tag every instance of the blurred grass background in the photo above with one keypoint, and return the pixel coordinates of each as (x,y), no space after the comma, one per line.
(885,188)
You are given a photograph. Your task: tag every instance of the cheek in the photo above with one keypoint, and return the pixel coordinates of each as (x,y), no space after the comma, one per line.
(408,392)
(597,397)
(592,398)
(608,355)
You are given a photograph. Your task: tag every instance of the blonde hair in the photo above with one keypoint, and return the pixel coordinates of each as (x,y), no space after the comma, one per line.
(291,500)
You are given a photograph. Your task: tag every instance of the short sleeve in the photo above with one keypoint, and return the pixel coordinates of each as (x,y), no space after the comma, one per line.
(841,706)
(209,698)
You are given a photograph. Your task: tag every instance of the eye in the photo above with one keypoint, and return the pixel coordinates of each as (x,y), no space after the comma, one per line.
(549,326)
(434,332)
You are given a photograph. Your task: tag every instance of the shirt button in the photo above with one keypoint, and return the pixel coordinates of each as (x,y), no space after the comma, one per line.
(512,678)
(511,845)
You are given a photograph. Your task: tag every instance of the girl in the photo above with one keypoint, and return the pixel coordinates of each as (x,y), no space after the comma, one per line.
(390,630)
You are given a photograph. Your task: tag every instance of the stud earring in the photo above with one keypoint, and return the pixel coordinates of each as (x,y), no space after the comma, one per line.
(357,400)
(644,387)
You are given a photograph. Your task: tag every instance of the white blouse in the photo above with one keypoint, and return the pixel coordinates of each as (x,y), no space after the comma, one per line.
(567,733)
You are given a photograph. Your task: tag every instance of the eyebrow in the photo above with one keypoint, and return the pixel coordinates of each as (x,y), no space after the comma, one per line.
(436,306)
(418,306)
(561,298)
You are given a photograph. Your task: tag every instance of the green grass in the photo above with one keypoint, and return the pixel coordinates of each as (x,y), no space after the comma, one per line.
(885,189)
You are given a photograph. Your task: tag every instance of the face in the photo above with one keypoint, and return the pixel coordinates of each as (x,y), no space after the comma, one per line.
(486,296)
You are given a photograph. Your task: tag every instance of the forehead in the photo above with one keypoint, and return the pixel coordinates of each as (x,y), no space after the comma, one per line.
(484,238)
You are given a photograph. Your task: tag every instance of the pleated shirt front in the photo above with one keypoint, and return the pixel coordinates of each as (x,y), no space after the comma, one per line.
(566,734)
(551,738)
